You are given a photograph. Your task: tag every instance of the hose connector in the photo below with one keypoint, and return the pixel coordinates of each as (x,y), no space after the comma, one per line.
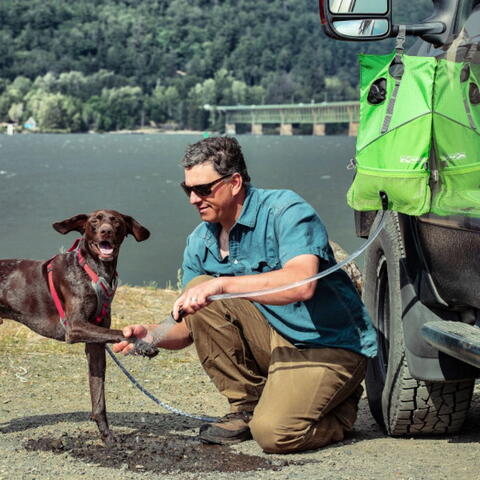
(384,199)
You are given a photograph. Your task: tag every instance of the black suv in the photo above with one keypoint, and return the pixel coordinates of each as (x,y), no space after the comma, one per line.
(422,274)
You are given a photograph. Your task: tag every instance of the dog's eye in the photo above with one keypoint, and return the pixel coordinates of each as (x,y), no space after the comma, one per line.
(99,216)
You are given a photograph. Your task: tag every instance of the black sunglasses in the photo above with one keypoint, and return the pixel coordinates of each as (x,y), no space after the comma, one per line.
(204,189)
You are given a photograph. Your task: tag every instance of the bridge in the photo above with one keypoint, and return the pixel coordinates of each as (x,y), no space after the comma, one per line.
(316,114)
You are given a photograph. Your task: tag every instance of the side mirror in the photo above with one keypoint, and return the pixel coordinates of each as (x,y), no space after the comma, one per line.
(364,20)
(356,19)
(367,28)
(360,7)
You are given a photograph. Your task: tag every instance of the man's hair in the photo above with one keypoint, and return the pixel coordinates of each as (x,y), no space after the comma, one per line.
(224,153)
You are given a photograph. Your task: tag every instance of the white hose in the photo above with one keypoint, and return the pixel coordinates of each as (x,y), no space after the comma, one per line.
(251,294)
(324,273)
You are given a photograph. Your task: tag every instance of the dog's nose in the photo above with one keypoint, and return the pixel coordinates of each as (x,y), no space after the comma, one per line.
(106,229)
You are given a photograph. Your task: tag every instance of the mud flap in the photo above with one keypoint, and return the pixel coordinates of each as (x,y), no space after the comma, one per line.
(424,361)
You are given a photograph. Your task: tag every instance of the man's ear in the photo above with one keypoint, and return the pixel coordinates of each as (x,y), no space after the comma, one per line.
(134,228)
(76,223)
(237,183)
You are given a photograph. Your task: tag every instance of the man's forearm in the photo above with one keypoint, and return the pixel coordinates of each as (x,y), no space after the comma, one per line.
(170,335)
(252,283)
(301,269)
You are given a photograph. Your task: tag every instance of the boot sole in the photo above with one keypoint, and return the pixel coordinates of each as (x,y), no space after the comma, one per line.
(217,440)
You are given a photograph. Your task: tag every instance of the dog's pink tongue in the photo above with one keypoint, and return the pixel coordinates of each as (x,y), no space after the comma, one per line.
(105,248)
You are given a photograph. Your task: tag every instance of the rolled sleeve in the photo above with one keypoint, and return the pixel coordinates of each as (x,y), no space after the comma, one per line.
(191,267)
(301,232)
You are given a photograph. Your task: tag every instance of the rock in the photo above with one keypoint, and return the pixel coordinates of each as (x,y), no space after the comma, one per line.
(351,268)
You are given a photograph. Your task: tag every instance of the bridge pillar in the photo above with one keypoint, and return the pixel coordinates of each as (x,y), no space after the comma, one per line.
(286,129)
(353,129)
(230,129)
(257,129)
(319,129)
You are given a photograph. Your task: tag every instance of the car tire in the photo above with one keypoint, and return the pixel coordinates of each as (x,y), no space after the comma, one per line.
(401,404)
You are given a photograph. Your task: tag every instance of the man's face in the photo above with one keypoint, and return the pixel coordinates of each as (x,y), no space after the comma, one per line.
(218,206)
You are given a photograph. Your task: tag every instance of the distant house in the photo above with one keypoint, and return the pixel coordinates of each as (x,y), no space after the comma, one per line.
(30,124)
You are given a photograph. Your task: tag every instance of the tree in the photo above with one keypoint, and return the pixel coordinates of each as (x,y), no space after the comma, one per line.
(239,92)
(18,89)
(55,111)
(163,104)
(198,51)
(15,112)
(73,84)
(125,106)
(95,114)
(281,89)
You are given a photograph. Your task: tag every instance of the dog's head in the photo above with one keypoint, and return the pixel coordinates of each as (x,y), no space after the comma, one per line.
(104,231)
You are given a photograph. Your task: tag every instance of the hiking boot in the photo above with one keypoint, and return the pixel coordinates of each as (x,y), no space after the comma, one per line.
(232,428)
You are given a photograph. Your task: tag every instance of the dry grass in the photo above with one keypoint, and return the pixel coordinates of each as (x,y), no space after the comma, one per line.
(131,305)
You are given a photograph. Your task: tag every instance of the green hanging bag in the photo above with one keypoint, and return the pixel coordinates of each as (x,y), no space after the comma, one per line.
(394,138)
(456,122)
(419,137)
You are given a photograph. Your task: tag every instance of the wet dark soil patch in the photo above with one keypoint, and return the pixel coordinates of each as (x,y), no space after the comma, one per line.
(150,453)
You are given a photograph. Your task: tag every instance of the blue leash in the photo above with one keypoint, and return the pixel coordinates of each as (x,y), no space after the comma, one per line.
(153,397)
(349,259)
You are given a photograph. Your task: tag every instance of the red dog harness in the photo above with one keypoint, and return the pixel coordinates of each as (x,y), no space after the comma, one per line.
(102,288)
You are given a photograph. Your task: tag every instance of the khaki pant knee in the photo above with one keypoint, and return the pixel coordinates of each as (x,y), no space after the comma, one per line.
(266,433)
(275,436)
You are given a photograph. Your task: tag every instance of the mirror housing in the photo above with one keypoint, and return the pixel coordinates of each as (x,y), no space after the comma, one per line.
(360,7)
(372,20)
(357,20)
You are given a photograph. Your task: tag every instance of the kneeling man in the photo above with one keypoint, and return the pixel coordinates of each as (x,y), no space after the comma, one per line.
(290,363)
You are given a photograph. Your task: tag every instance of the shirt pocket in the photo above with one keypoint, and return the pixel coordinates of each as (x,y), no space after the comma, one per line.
(267,262)
(261,254)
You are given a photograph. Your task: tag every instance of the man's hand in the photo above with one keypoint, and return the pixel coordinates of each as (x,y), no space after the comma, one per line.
(137,331)
(195,298)
(298,268)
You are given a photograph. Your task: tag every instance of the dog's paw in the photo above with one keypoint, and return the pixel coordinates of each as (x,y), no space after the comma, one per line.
(144,348)
(110,439)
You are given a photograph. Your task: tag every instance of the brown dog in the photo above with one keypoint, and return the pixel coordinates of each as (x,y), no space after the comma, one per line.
(68,297)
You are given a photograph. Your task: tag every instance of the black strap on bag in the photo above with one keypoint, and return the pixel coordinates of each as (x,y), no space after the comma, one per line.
(396,71)
(465,76)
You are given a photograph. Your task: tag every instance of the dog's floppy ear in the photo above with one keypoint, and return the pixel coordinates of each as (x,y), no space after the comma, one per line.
(76,223)
(134,228)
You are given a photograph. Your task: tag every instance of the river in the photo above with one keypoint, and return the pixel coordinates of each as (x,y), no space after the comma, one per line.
(46,178)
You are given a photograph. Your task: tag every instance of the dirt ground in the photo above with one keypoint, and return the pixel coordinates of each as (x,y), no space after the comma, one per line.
(45,432)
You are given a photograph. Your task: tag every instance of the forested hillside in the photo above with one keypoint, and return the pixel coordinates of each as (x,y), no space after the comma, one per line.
(114,64)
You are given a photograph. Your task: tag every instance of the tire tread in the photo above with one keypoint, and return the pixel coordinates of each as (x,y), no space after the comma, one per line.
(426,408)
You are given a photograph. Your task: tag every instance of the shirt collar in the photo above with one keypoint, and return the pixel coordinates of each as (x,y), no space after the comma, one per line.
(248,216)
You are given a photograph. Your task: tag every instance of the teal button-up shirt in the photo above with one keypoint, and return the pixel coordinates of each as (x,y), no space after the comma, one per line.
(274,227)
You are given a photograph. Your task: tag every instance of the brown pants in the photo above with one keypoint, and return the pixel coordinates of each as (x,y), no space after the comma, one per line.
(302,399)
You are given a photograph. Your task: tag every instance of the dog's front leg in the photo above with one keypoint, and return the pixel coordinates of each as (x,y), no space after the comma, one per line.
(96,376)
(79,309)
(79,330)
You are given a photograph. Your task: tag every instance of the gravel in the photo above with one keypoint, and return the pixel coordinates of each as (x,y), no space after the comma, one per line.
(45,430)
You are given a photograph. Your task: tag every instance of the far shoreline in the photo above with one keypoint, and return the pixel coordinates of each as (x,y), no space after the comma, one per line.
(156,130)
(141,130)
